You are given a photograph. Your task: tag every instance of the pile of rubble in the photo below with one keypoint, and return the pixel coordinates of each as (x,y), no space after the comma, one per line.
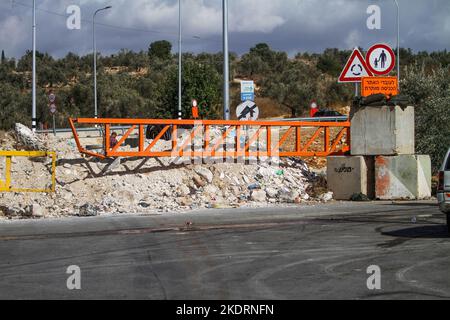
(89,186)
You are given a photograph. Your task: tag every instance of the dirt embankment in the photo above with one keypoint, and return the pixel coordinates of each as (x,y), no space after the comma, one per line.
(88,186)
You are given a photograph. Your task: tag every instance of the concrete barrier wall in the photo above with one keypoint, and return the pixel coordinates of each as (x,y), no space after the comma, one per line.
(402,177)
(350,175)
(382,131)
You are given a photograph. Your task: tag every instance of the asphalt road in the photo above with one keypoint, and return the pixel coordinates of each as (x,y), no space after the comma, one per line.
(308,252)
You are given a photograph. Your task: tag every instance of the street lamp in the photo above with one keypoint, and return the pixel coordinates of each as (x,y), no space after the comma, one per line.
(398,43)
(95,59)
(226,74)
(179,61)
(33,94)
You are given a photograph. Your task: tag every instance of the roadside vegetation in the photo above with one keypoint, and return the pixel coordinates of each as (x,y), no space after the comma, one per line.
(144,85)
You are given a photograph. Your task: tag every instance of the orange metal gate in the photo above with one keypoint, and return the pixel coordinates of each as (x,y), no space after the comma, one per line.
(305,139)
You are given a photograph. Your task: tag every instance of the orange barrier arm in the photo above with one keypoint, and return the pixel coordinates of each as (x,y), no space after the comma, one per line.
(333,138)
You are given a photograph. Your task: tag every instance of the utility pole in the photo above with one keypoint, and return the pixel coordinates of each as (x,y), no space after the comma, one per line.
(95,59)
(33,94)
(226,67)
(398,43)
(179,62)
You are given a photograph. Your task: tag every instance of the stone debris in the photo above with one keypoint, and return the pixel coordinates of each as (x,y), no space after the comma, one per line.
(326,197)
(90,187)
(204,173)
(28,139)
(258,196)
(88,210)
(36,210)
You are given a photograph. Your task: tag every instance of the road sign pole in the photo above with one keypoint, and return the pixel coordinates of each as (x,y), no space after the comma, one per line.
(54,125)
(398,43)
(356,89)
(226,72)
(180,57)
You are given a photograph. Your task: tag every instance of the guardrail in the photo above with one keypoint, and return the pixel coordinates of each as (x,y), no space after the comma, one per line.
(319,119)
(123,128)
(92,129)
(5,185)
(333,142)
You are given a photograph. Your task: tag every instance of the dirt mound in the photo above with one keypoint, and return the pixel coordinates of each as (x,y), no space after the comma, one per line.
(89,186)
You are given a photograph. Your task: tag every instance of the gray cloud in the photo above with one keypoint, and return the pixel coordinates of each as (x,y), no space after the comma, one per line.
(289,25)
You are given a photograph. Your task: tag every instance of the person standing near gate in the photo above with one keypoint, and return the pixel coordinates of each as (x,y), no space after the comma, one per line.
(113,140)
(194,109)
(314,109)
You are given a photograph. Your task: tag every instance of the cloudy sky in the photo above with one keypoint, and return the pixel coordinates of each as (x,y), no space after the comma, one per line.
(288,25)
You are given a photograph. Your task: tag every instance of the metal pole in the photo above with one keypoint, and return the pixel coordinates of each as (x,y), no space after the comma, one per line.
(179,62)
(398,43)
(356,89)
(95,66)
(54,125)
(226,71)
(33,112)
(95,59)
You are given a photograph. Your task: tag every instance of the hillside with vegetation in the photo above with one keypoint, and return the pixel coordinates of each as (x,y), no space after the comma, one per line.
(144,85)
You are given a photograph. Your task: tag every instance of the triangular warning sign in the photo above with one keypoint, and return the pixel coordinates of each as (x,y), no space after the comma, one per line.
(355,68)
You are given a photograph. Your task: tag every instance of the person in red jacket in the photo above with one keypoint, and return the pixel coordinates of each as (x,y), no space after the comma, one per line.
(195,109)
(314,109)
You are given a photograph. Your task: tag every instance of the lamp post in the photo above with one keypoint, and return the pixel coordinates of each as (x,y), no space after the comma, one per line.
(226,74)
(179,62)
(95,59)
(33,94)
(398,43)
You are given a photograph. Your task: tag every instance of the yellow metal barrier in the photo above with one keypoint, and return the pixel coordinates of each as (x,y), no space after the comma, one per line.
(5,185)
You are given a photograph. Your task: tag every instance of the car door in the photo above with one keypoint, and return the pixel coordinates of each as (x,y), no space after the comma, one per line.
(444,182)
(446,169)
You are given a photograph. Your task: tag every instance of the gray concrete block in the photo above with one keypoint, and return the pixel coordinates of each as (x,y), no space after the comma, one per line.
(402,177)
(382,131)
(349,175)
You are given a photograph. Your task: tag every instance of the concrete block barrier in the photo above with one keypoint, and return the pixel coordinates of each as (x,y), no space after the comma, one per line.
(403,177)
(349,175)
(383,131)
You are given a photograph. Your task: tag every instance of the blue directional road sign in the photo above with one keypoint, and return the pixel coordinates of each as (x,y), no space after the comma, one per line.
(247,91)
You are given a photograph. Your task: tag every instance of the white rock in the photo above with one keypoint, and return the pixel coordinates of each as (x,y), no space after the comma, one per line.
(287,195)
(212,190)
(115,164)
(28,138)
(183,190)
(271,192)
(265,172)
(290,179)
(236,181)
(326,197)
(36,210)
(258,196)
(305,196)
(204,173)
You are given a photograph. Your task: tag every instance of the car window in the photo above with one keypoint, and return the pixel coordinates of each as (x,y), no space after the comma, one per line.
(447,166)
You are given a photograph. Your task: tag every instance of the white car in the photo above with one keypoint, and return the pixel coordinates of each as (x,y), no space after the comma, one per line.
(443,190)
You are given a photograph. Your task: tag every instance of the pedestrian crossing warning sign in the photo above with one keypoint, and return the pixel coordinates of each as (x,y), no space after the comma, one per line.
(355,69)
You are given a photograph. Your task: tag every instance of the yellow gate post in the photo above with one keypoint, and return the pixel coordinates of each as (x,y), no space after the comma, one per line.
(6,185)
